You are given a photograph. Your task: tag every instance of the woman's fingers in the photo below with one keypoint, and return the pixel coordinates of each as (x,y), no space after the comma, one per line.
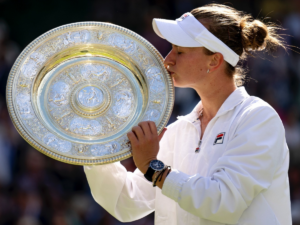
(152,127)
(139,133)
(132,138)
(162,134)
(146,128)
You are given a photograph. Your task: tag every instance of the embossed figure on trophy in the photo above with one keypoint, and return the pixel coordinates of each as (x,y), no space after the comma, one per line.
(154,76)
(67,38)
(30,69)
(128,46)
(111,148)
(38,57)
(122,107)
(59,119)
(25,108)
(93,96)
(100,35)
(103,71)
(55,45)
(144,60)
(111,124)
(85,126)
(51,140)
(152,115)
(82,149)
(83,129)
(119,81)
(98,150)
(24,103)
(58,94)
(58,98)
(23,83)
(73,77)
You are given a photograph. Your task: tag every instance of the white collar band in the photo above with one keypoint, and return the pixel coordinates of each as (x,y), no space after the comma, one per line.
(187,31)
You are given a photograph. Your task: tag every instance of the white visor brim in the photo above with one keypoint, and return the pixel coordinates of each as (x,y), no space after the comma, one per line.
(171,31)
(187,31)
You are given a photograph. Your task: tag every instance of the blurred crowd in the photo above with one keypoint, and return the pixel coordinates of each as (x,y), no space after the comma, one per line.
(37,190)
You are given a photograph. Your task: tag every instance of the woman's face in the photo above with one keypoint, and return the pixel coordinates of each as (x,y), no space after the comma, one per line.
(187,66)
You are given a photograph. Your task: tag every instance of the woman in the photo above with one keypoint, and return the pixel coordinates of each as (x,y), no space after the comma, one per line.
(228,157)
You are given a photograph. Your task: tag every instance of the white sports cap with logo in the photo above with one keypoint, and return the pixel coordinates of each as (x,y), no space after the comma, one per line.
(187,31)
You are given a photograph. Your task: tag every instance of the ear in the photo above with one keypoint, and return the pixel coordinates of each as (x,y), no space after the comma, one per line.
(216,61)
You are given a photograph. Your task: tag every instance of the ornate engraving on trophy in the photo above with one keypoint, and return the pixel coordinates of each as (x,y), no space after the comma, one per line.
(58,93)
(90,96)
(110,124)
(29,69)
(81,149)
(154,76)
(23,83)
(52,141)
(125,44)
(87,99)
(85,126)
(143,59)
(24,103)
(118,81)
(98,150)
(99,72)
(105,149)
(77,37)
(152,115)
(38,57)
(55,45)
(123,103)
(62,117)
(99,110)
(156,101)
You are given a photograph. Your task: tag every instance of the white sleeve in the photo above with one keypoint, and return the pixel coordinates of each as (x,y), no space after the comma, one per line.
(246,168)
(126,196)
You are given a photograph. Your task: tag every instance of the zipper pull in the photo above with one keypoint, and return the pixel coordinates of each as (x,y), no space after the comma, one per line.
(197,150)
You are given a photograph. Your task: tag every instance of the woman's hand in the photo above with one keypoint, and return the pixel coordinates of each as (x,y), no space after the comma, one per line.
(145,144)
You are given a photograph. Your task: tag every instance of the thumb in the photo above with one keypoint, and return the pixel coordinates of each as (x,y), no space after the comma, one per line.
(162,134)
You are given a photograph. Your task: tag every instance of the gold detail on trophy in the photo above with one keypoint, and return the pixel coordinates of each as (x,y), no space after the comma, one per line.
(111,124)
(82,148)
(156,101)
(119,81)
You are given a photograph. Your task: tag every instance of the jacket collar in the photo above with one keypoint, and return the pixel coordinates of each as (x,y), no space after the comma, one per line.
(234,99)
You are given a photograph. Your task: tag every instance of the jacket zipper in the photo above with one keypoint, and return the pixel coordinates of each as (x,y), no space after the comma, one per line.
(197,150)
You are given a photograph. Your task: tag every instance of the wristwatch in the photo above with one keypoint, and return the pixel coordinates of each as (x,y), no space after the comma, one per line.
(155,165)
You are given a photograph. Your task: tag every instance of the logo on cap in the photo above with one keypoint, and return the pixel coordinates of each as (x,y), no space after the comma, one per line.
(184,16)
(219,139)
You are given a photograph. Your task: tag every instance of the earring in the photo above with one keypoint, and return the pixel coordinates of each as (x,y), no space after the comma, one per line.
(207,71)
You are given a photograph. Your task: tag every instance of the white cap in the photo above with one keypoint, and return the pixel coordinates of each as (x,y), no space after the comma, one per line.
(187,31)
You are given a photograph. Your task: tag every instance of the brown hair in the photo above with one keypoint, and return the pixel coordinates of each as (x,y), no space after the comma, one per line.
(240,32)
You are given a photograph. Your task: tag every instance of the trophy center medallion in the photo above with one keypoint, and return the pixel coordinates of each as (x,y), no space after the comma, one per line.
(90,97)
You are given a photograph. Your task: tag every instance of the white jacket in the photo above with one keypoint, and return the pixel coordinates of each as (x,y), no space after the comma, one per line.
(239,175)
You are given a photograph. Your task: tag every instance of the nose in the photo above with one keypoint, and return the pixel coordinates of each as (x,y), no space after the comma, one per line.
(170,59)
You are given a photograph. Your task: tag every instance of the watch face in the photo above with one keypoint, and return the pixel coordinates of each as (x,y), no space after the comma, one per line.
(157,165)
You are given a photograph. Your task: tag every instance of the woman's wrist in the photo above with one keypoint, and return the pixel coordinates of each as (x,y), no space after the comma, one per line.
(160,182)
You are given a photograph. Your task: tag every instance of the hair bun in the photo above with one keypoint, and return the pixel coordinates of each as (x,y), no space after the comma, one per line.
(254,34)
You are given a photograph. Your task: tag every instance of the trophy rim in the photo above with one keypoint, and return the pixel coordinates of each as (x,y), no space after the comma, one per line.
(56,31)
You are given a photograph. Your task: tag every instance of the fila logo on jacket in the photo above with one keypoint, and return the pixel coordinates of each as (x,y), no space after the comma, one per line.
(219,139)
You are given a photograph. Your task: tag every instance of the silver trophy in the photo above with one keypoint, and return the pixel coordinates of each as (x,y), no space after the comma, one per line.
(76,91)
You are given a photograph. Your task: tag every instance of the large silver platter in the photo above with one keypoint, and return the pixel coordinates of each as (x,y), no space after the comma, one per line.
(76,91)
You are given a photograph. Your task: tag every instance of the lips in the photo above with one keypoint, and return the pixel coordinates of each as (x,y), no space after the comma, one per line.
(170,72)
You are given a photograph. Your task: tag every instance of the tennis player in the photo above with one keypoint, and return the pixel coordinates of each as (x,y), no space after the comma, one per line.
(224,163)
